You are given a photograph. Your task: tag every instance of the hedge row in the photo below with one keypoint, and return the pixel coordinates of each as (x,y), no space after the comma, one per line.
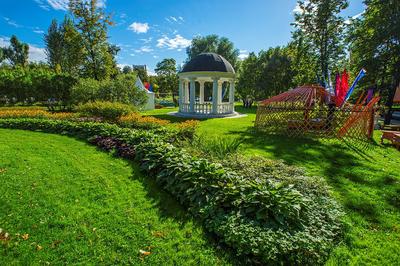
(272,221)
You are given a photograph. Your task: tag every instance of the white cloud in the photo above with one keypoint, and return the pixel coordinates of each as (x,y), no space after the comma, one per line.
(144,49)
(172,19)
(38,31)
(155,56)
(62,4)
(243,54)
(178,42)
(139,27)
(348,21)
(36,54)
(148,40)
(12,22)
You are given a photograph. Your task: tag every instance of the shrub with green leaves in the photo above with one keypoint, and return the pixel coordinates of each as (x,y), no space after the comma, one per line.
(107,110)
(279,217)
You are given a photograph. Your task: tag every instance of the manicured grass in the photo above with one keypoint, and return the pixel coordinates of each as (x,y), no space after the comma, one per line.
(82,206)
(364,178)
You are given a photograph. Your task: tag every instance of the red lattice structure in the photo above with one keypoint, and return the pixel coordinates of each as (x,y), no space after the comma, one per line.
(304,111)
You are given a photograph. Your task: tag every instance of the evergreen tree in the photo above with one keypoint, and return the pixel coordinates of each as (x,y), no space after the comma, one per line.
(54,50)
(167,76)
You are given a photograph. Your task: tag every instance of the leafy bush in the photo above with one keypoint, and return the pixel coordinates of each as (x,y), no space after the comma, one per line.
(107,110)
(218,146)
(34,84)
(270,217)
(121,89)
(187,129)
(136,120)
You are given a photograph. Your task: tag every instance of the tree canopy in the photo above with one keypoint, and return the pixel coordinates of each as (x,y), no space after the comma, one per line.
(213,44)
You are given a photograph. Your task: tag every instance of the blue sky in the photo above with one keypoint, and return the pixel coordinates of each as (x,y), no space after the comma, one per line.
(149,30)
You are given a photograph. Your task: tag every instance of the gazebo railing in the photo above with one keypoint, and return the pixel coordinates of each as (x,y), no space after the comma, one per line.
(207,108)
(225,108)
(203,108)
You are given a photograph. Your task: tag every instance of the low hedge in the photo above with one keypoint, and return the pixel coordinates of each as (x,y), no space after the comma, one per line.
(269,220)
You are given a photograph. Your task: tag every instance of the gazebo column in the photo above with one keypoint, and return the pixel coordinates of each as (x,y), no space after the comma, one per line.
(215,96)
(192,94)
(186,89)
(220,92)
(180,94)
(201,100)
(232,94)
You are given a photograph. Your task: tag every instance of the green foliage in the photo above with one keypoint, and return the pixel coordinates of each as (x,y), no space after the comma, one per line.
(218,147)
(107,110)
(33,84)
(64,47)
(374,44)
(214,44)
(266,75)
(120,89)
(17,53)
(99,55)
(167,76)
(319,25)
(270,220)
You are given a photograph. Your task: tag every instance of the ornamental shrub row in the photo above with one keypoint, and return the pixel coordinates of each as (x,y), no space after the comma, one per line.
(269,220)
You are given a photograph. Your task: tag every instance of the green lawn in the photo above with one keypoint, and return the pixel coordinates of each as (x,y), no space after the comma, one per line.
(364,178)
(82,206)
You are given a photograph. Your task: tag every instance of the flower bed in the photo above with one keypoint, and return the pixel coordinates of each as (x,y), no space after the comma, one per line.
(271,221)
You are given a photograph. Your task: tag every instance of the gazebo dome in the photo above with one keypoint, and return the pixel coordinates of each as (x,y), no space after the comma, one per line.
(208,62)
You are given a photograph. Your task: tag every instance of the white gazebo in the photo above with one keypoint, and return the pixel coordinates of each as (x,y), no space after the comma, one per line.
(199,99)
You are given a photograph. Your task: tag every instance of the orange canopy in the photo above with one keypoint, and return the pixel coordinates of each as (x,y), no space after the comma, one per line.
(307,94)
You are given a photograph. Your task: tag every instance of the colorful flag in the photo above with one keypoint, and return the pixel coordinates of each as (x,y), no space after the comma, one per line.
(360,75)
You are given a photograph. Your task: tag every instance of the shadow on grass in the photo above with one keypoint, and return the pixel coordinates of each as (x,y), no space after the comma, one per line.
(346,166)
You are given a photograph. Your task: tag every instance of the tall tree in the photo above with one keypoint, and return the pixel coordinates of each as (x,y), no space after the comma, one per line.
(319,23)
(213,44)
(1,54)
(54,50)
(92,22)
(17,53)
(74,51)
(167,76)
(375,45)
(248,76)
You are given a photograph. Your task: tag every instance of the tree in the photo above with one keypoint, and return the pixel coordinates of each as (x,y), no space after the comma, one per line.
(248,78)
(276,73)
(92,22)
(213,44)
(74,51)
(1,54)
(375,45)
(126,69)
(64,47)
(17,53)
(54,50)
(319,25)
(167,76)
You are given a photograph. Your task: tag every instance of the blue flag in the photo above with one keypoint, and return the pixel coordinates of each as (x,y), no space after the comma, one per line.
(350,91)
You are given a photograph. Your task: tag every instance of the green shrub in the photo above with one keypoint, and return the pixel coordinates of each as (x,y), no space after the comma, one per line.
(218,146)
(268,216)
(107,110)
(121,89)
